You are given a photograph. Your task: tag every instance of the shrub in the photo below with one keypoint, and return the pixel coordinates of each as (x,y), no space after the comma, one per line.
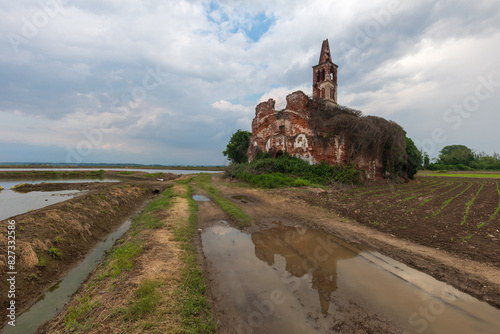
(55,253)
(288,171)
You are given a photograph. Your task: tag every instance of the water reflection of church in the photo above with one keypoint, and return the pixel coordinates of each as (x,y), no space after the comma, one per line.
(306,252)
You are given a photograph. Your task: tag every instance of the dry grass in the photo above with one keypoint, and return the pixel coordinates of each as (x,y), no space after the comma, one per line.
(26,254)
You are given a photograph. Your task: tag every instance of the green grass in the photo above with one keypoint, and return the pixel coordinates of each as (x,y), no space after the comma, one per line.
(83,306)
(145,301)
(125,173)
(204,181)
(41,262)
(473,175)
(470,203)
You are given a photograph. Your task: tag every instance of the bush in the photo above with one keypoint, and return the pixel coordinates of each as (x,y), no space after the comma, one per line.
(288,171)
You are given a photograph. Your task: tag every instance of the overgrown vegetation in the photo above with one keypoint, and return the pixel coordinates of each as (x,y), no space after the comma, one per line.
(285,171)
(204,181)
(370,137)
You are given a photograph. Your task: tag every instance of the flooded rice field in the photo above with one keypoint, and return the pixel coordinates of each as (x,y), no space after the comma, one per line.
(298,280)
(14,203)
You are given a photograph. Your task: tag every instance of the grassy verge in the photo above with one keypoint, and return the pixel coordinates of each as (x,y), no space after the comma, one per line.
(472,175)
(204,181)
(195,307)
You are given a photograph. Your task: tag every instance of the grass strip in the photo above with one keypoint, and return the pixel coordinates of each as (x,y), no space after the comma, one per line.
(472,175)
(195,308)
(204,181)
(470,203)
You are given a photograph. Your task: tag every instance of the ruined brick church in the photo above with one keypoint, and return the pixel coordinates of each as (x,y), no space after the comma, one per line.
(292,131)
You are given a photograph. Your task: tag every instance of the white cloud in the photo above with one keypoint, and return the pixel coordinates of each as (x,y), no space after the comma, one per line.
(228,106)
(67,76)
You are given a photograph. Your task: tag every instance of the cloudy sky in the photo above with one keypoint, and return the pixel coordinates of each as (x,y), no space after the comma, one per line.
(168,82)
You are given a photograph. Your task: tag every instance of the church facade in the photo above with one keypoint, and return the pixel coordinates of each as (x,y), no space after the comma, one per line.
(291,130)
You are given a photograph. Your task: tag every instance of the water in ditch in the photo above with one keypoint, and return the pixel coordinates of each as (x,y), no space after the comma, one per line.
(297,280)
(13,203)
(52,302)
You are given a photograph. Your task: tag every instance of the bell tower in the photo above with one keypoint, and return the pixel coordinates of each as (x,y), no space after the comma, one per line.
(325,75)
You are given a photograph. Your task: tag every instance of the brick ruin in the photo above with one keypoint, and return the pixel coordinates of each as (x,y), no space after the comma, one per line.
(292,130)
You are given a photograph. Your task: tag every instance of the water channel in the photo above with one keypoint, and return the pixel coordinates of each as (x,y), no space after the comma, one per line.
(52,302)
(297,280)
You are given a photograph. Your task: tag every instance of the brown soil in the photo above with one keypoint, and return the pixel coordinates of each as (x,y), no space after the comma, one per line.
(308,207)
(74,227)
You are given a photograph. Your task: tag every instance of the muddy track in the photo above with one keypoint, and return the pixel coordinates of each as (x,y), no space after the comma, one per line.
(307,208)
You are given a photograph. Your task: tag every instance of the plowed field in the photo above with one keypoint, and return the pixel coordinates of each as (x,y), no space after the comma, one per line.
(459,215)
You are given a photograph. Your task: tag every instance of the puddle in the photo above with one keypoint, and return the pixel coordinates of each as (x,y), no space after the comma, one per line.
(13,203)
(297,280)
(242,198)
(52,302)
(201,198)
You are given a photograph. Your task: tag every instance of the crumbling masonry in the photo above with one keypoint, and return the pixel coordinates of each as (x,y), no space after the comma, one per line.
(291,130)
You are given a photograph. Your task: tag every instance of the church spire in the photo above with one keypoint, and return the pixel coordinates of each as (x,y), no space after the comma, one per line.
(325,52)
(325,75)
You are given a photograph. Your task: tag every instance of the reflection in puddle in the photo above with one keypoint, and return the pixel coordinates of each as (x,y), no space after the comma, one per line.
(297,280)
(306,252)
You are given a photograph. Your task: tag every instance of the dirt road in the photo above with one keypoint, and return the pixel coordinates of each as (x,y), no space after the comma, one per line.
(285,208)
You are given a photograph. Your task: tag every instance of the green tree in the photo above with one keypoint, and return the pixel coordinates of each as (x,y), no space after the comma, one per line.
(236,150)
(427,160)
(414,157)
(455,155)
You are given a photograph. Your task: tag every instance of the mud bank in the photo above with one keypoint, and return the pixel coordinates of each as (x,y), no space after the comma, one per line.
(78,174)
(74,228)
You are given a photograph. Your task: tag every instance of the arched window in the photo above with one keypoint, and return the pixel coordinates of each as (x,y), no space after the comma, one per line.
(318,76)
(323,76)
(322,92)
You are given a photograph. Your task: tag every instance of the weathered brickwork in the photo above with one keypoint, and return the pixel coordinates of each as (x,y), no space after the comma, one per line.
(290,130)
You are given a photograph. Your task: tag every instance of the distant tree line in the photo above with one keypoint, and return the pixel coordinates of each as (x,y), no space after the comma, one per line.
(460,157)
